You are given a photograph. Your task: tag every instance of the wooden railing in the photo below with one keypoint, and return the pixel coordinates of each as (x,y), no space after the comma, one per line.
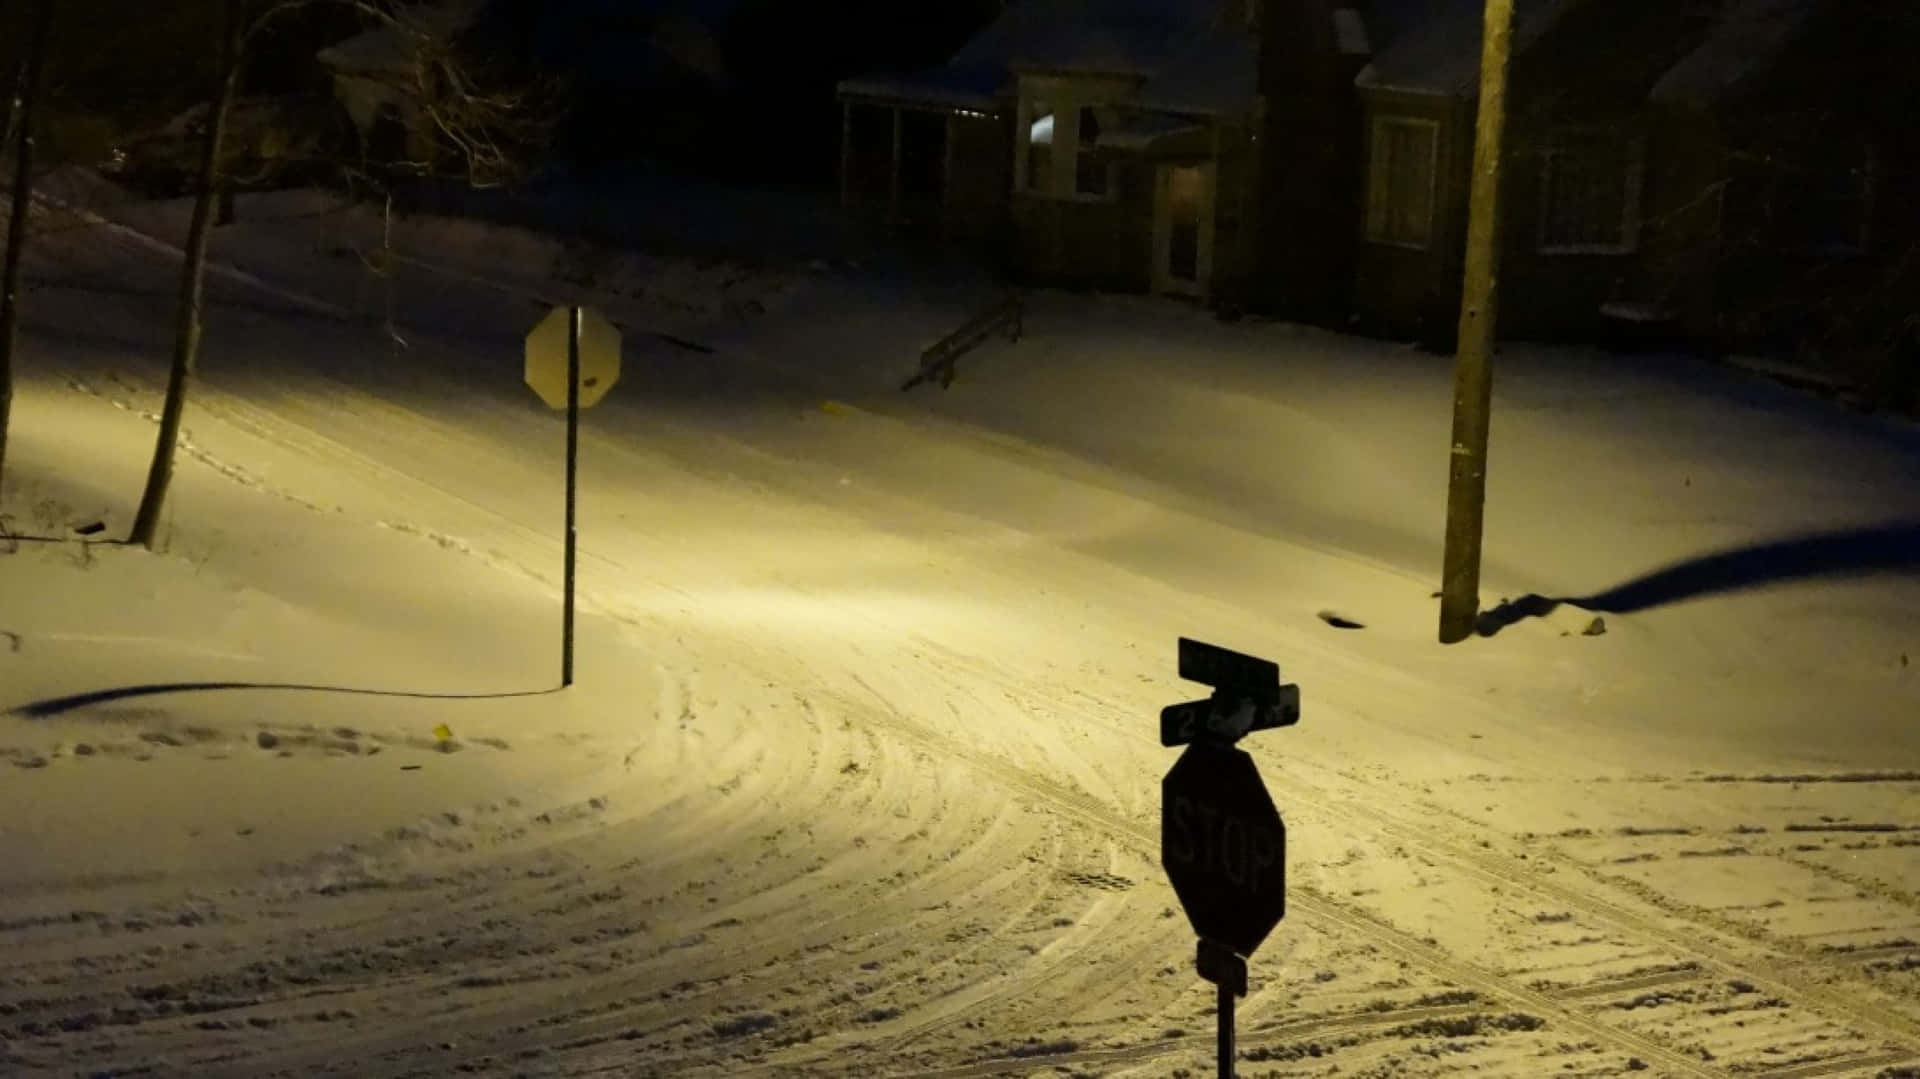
(937,362)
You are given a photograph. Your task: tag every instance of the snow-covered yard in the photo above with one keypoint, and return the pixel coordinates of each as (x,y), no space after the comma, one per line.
(861,772)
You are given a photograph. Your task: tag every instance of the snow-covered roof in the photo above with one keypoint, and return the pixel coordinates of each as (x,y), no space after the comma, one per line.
(388,48)
(1433,46)
(1216,71)
(1749,36)
(946,86)
(1126,37)
(1187,59)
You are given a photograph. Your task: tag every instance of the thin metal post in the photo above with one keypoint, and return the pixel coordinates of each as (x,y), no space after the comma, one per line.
(946,175)
(573,458)
(846,154)
(893,190)
(1225,995)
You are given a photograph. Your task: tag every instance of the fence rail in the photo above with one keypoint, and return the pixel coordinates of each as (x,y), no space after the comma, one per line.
(937,362)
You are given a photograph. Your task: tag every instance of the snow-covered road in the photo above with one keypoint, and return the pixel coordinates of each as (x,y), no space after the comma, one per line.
(861,773)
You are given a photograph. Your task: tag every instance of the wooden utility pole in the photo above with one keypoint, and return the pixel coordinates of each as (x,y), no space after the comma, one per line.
(21,115)
(1473,364)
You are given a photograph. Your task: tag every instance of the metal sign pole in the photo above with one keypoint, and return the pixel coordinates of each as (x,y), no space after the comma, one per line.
(573,457)
(1222,841)
(1226,1031)
(1218,964)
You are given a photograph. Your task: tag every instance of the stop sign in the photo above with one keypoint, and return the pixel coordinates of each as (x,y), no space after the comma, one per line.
(1223,846)
(547,357)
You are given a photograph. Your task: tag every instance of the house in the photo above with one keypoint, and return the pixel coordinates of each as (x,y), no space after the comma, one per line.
(1725,170)
(1703,166)
(1787,215)
(1126,144)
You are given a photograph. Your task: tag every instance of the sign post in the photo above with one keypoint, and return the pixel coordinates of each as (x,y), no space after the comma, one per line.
(573,359)
(1222,841)
(573,471)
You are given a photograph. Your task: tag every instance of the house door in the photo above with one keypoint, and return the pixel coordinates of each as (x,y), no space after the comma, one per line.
(1183,229)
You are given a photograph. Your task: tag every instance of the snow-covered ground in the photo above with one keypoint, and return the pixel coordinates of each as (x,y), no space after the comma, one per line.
(861,772)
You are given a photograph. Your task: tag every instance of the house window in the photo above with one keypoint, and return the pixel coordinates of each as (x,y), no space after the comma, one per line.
(1040,147)
(1090,167)
(1590,192)
(1823,205)
(1059,155)
(1400,182)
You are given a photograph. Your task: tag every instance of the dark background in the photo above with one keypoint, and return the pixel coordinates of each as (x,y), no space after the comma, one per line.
(741,90)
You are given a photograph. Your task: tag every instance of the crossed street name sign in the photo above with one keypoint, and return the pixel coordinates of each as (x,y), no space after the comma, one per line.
(1222,841)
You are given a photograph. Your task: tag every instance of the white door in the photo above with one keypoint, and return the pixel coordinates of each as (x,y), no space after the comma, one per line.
(1183,228)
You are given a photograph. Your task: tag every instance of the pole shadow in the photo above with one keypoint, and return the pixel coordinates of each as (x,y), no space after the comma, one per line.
(1892,548)
(54,706)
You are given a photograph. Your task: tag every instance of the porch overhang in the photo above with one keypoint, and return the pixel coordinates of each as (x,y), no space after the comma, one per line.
(1159,135)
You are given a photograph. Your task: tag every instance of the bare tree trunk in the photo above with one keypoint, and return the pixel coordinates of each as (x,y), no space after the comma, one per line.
(21,115)
(186,342)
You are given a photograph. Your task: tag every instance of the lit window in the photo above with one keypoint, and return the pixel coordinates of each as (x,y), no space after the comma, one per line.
(1040,147)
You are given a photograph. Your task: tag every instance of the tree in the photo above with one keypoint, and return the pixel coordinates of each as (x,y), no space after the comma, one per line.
(20,116)
(486,128)
(186,341)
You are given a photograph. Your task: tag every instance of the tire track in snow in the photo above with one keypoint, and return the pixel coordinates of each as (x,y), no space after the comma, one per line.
(1693,938)
(889,938)
(1318,909)
(803,784)
(598,905)
(1090,933)
(827,963)
(1256,1043)
(320,919)
(613,1012)
(1504,870)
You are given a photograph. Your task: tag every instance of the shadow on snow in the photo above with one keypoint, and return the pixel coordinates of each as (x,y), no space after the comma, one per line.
(1858,552)
(54,706)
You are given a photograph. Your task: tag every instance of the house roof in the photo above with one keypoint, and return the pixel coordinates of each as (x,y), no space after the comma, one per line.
(1215,71)
(1186,58)
(1121,37)
(1749,36)
(1433,46)
(946,86)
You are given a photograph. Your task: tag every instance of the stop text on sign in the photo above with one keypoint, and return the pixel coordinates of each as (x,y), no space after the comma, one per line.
(1241,852)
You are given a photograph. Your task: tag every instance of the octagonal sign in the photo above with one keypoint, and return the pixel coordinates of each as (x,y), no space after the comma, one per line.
(1223,846)
(547,357)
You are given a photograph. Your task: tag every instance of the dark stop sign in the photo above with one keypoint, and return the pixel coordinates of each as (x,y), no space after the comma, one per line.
(1223,846)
